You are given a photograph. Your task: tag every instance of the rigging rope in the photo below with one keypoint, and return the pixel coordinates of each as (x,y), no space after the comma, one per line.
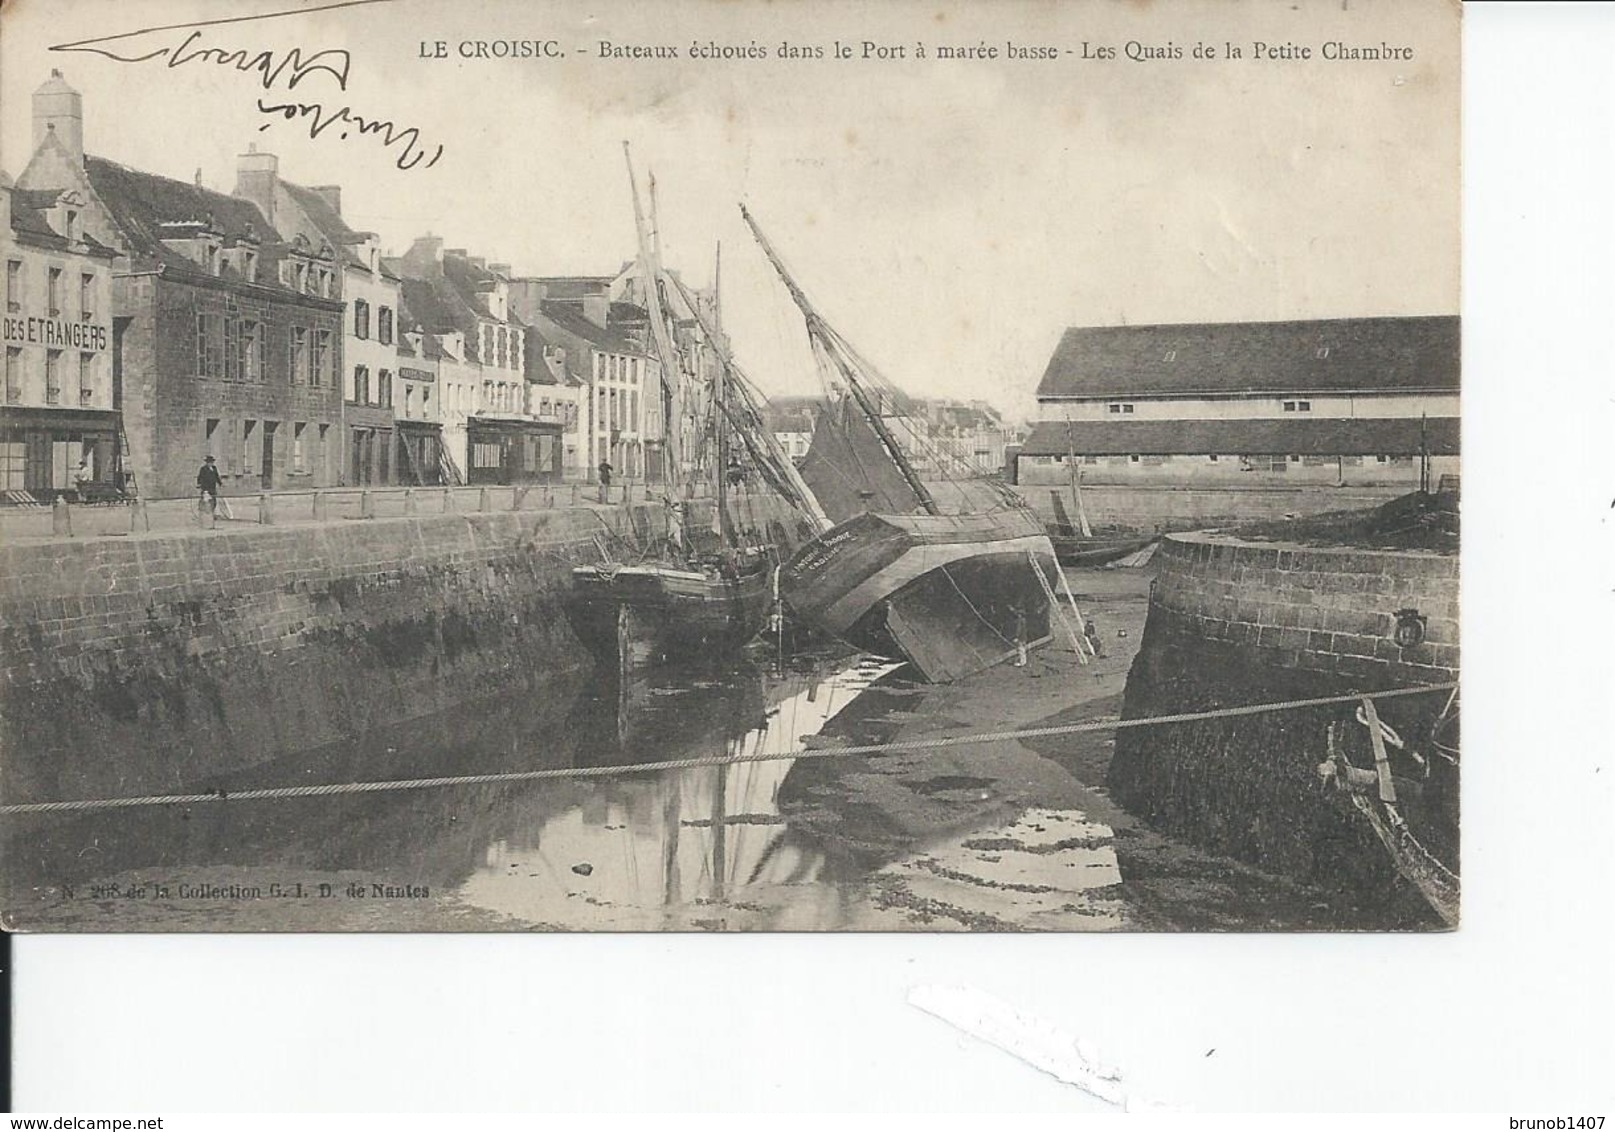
(684,764)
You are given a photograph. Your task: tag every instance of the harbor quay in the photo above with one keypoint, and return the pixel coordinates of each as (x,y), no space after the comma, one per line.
(160,658)
(237,665)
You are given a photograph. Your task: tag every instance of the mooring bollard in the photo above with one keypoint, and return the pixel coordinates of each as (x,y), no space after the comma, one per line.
(266,510)
(409,501)
(367,505)
(61,519)
(319,506)
(483,502)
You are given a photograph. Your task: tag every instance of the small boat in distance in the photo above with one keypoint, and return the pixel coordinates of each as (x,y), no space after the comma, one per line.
(1075,550)
(950,593)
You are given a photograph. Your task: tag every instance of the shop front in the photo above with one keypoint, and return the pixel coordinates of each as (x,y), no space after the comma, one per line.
(46,453)
(513,450)
(420,453)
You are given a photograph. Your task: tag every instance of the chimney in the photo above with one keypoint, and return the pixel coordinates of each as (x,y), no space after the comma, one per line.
(330,194)
(424,257)
(257,177)
(597,308)
(59,113)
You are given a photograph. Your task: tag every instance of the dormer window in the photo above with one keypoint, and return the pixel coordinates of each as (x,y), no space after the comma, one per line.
(249,266)
(71,227)
(300,276)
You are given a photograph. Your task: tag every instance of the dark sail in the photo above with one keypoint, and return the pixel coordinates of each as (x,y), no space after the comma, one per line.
(848,469)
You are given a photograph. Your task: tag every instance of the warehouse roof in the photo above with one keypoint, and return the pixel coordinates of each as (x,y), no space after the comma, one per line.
(1232,358)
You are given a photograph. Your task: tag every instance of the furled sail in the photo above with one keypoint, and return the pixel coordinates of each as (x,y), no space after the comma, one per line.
(849,470)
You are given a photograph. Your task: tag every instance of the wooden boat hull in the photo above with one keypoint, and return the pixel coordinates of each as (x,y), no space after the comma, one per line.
(951,594)
(638,616)
(1074,550)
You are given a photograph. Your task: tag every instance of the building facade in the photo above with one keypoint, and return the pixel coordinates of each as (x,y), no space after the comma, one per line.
(59,423)
(374,451)
(1351,401)
(602,345)
(226,339)
(460,305)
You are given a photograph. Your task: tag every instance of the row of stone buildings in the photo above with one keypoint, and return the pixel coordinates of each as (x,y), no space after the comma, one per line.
(151,322)
(940,436)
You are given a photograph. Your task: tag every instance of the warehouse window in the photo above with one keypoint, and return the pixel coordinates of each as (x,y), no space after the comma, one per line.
(1298,406)
(1120,406)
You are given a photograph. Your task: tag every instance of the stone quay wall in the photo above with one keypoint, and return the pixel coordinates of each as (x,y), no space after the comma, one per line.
(1234,623)
(156,662)
(1146,508)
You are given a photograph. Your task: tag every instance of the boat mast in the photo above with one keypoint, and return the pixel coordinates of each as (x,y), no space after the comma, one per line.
(821,332)
(720,421)
(780,461)
(666,356)
(1076,485)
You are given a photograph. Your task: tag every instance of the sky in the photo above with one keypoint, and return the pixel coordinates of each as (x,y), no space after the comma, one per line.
(949,216)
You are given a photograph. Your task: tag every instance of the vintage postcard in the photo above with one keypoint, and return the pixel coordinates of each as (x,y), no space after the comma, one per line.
(729,466)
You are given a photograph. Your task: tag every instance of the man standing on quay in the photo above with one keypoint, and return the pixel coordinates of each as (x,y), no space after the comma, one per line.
(207,483)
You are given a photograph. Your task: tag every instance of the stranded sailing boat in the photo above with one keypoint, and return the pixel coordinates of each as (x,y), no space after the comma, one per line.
(684,602)
(951,593)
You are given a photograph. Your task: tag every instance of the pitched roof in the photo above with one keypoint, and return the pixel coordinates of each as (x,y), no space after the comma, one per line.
(336,230)
(432,305)
(570,318)
(323,216)
(1395,436)
(141,203)
(26,219)
(1224,358)
(571,286)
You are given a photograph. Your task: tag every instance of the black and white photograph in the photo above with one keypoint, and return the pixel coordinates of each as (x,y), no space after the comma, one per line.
(730,468)
(805,555)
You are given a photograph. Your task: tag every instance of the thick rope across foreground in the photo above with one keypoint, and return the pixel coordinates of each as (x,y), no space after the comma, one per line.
(684,764)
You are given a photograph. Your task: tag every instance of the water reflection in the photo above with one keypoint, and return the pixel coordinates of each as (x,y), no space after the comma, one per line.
(701,847)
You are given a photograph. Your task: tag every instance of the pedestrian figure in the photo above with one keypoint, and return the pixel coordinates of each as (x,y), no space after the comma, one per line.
(735,472)
(83,476)
(207,484)
(605,481)
(1091,631)
(1020,637)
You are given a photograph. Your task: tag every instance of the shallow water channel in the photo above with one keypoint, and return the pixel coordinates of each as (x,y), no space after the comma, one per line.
(752,845)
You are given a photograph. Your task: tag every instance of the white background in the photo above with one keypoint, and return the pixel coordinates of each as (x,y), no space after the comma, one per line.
(1512,1013)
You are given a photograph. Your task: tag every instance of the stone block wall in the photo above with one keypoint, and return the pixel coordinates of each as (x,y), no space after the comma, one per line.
(1326,610)
(151,663)
(1146,508)
(1233,624)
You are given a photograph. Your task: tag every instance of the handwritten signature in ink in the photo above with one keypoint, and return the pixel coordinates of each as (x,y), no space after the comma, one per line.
(189,43)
